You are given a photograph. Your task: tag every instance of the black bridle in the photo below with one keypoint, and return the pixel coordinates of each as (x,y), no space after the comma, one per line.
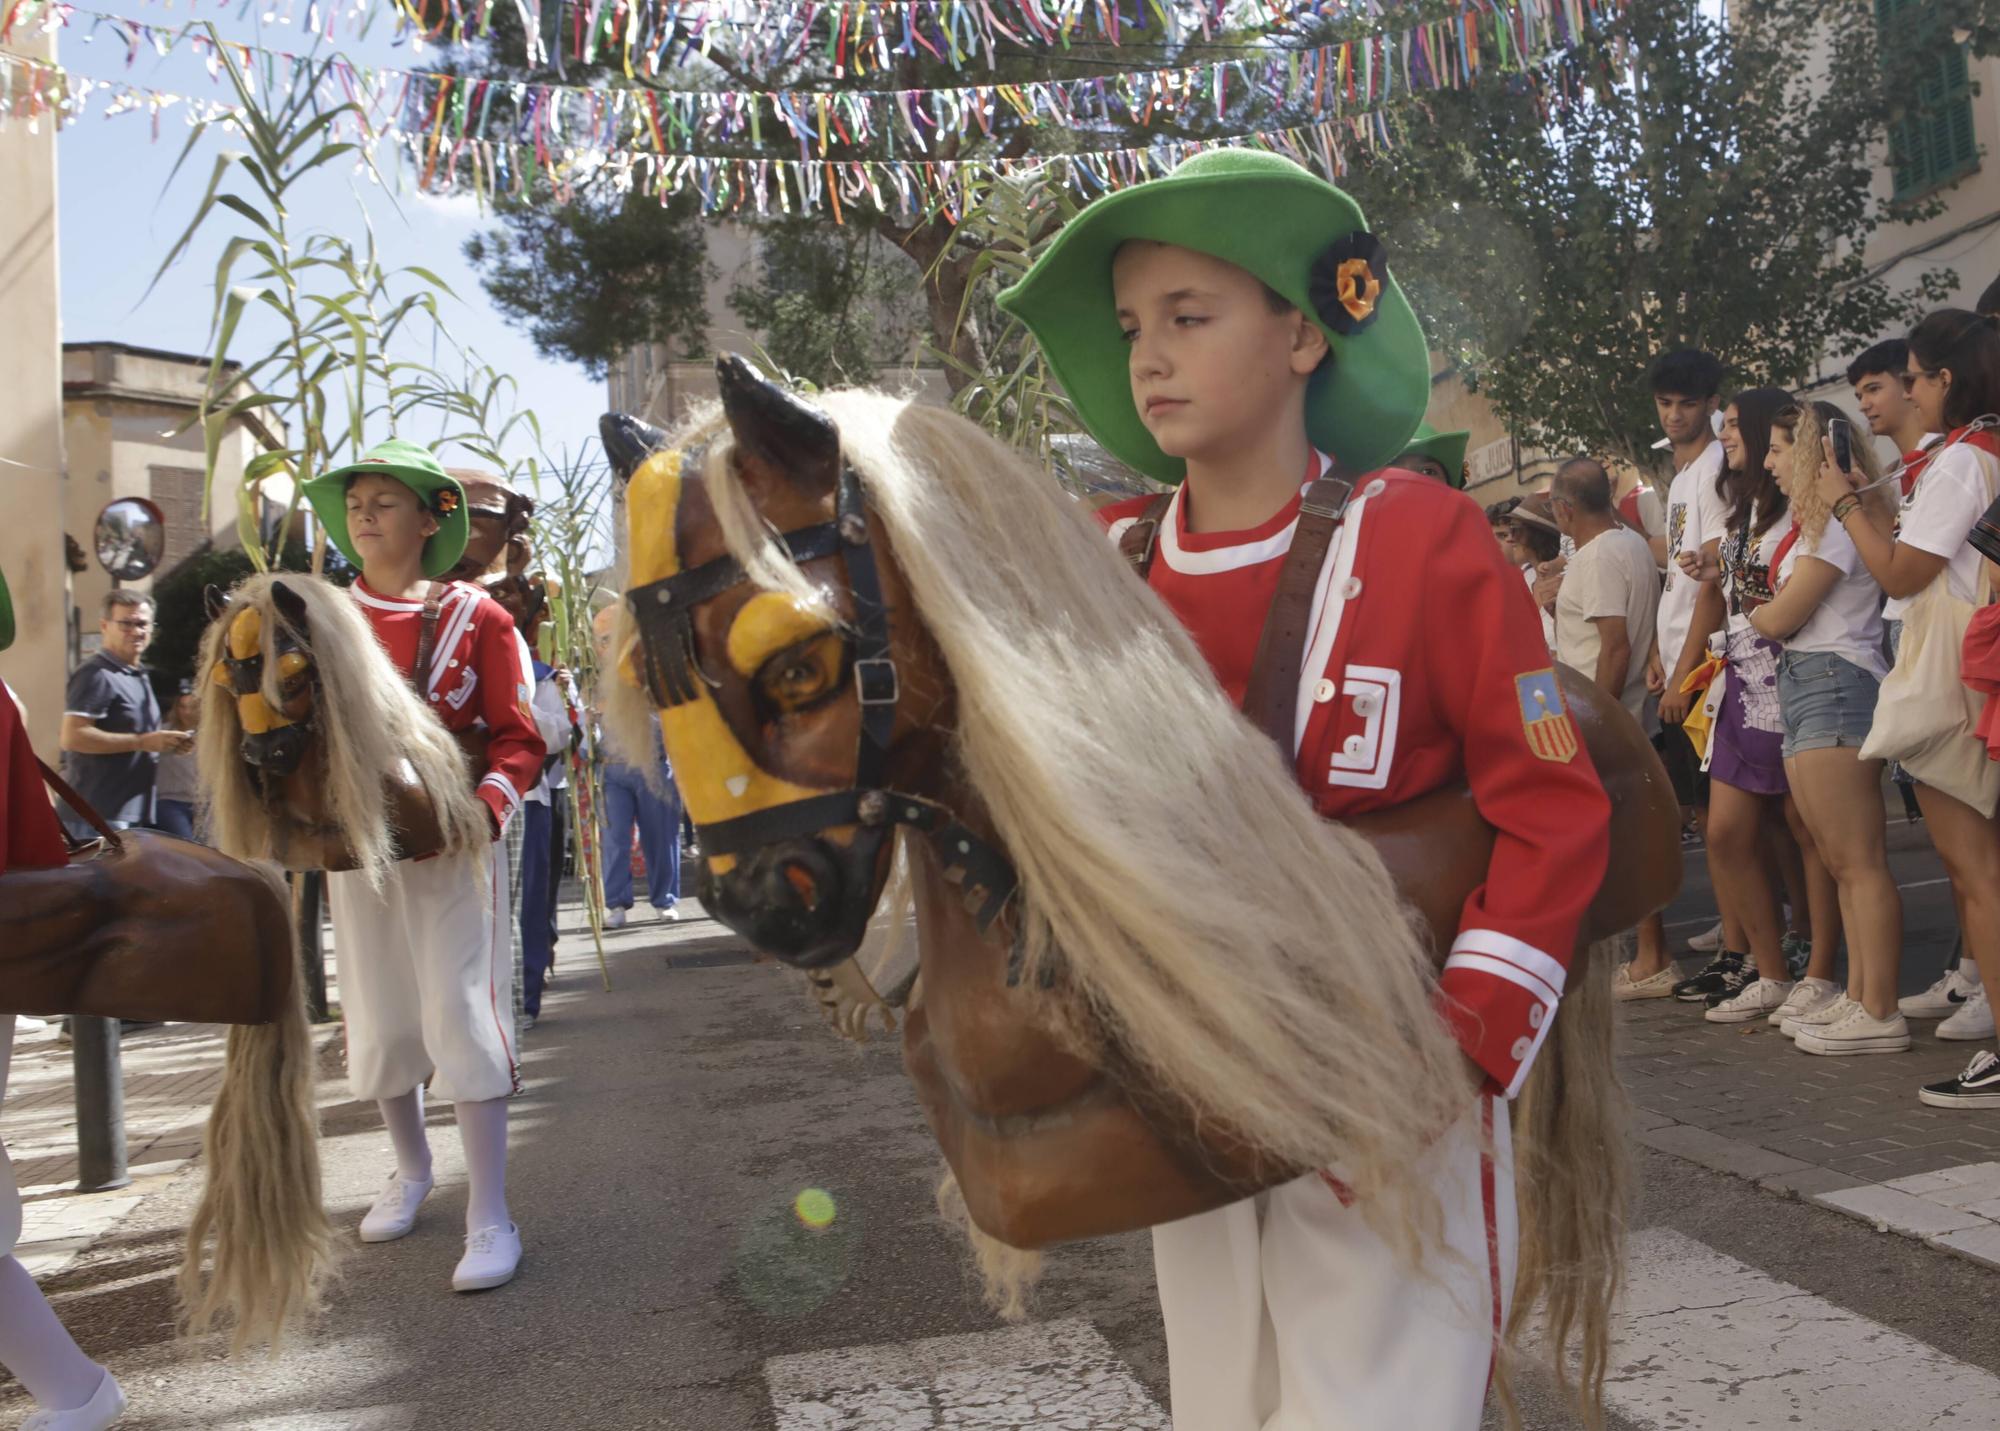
(664,613)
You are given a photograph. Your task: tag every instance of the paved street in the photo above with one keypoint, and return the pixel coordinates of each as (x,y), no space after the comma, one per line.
(670,1125)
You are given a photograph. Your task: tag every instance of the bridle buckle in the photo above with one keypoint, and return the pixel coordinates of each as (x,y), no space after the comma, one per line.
(875,682)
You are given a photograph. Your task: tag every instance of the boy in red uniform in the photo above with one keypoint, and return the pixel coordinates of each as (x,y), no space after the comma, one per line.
(1243,358)
(425,961)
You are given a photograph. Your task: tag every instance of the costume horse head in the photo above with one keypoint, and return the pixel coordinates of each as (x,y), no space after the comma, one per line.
(313,750)
(1152,979)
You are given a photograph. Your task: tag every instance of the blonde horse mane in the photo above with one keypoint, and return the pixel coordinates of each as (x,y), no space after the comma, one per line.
(260,1205)
(369,721)
(1291,998)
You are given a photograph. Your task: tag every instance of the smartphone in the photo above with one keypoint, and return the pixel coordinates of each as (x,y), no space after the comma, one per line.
(1842,434)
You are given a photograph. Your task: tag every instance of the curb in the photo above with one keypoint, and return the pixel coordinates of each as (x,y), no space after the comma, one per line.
(1947,1210)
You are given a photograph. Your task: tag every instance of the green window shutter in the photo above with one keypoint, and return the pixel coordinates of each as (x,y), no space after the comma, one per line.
(1936,144)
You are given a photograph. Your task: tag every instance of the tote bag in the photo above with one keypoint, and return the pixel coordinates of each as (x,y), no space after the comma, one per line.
(1924,715)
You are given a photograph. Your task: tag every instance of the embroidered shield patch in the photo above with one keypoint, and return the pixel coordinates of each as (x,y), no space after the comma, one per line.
(1546,721)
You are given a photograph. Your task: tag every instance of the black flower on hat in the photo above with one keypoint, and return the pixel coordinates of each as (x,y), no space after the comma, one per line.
(1347,281)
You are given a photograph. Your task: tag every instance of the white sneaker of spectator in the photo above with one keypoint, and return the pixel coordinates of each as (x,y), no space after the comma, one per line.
(1944,998)
(1709,940)
(1830,1012)
(1974,1020)
(1759,997)
(1859,1032)
(1807,996)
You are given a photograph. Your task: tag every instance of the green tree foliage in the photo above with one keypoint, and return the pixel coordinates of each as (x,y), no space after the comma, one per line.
(593,278)
(1712,186)
(835,304)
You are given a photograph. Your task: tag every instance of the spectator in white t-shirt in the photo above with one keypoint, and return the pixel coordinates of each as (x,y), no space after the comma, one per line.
(1827,613)
(1606,616)
(1954,379)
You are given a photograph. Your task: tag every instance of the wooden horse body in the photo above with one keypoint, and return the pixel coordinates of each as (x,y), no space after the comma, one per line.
(1049,1131)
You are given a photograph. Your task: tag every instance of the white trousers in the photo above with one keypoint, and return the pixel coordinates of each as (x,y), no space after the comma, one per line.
(10,1194)
(427,978)
(1286,1312)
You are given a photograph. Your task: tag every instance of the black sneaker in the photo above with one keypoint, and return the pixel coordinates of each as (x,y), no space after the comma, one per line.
(1712,979)
(1734,982)
(1977,1087)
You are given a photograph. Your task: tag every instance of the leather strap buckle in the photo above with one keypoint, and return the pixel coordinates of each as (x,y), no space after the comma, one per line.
(875,682)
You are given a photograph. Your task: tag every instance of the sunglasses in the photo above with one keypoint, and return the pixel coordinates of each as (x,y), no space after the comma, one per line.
(134,625)
(1910,379)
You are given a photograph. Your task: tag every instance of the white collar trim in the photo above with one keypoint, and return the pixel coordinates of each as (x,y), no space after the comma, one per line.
(1220,559)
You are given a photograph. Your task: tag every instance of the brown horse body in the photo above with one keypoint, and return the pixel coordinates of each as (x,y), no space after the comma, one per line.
(1050,1136)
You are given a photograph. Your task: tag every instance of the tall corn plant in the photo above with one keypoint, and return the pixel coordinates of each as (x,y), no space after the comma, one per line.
(572,521)
(327,381)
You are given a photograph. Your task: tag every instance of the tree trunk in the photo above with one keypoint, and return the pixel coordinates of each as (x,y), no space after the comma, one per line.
(947,281)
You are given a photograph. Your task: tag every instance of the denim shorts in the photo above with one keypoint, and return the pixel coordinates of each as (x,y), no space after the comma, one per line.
(1827,701)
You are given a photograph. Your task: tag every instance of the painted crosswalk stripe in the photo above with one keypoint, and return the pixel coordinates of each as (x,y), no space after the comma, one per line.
(1060,1374)
(1704,1340)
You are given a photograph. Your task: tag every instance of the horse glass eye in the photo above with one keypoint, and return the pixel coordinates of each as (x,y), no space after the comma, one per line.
(802,675)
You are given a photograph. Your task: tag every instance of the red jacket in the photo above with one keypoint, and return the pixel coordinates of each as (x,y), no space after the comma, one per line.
(1426,666)
(479,678)
(30,837)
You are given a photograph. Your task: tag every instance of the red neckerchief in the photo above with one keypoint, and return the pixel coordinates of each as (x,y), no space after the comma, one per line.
(1985,439)
(1785,546)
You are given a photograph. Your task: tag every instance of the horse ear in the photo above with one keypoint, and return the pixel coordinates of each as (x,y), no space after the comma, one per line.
(793,437)
(628,441)
(214,600)
(292,607)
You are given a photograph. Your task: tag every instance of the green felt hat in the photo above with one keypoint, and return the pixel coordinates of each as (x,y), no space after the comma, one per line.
(416,469)
(1447,449)
(1303,237)
(6,614)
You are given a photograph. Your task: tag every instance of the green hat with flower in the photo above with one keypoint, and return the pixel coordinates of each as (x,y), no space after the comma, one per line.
(415,468)
(1305,239)
(1447,449)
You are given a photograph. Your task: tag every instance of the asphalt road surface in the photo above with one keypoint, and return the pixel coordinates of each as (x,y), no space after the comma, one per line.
(660,1153)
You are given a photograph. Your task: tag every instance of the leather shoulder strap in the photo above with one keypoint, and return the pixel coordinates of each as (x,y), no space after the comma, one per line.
(1138,542)
(1271,699)
(82,807)
(427,638)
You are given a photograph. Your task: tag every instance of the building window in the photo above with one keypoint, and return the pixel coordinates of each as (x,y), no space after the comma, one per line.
(1934,144)
(177,492)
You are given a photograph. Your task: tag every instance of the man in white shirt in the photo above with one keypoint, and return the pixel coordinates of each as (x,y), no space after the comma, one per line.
(1607,620)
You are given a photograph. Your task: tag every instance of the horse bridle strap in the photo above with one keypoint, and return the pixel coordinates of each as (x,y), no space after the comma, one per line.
(664,613)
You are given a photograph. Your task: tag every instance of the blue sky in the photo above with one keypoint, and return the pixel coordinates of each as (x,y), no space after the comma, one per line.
(119,217)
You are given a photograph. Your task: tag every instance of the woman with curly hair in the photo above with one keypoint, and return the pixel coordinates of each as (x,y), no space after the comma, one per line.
(1826,612)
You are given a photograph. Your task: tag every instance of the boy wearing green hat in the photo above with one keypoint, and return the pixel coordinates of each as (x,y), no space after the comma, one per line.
(425,961)
(1439,456)
(1233,328)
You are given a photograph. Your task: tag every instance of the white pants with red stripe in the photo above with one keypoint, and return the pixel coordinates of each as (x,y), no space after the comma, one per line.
(1286,1312)
(427,978)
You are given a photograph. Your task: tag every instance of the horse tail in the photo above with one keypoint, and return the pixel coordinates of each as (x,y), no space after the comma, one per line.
(273,1244)
(1571,1182)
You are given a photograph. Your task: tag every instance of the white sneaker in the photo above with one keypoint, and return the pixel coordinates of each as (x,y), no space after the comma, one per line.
(1653,986)
(670,915)
(103,1408)
(23,1024)
(1942,999)
(1807,995)
(492,1256)
(395,1211)
(1859,1032)
(1829,1012)
(1974,1020)
(1709,940)
(614,919)
(1759,997)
